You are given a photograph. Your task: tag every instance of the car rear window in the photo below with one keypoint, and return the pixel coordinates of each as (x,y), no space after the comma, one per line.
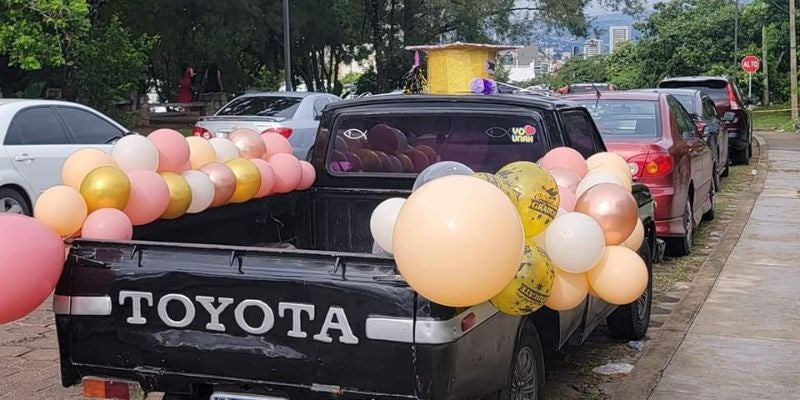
(686,101)
(716,89)
(625,118)
(408,143)
(264,106)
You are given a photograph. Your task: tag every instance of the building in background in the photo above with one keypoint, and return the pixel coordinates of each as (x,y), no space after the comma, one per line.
(593,47)
(522,63)
(618,35)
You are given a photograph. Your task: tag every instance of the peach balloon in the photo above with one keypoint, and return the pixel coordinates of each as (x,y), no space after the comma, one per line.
(224,182)
(288,172)
(107,224)
(458,241)
(620,277)
(613,207)
(62,208)
(201,152)
(308,177)
(606,159)
(569,290)
(248,142)
(81,162)
(267,177)
(564,157)
(567,199)
(623,175)
(173,150)
(635,240)
(276,144)
(149,197)
(566,178)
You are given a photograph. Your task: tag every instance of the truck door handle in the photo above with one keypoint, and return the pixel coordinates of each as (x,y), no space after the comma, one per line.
(24,157)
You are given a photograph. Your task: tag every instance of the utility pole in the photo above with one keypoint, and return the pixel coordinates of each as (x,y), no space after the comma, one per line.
(765,65)
(287,47)
(793,58)
(736,35)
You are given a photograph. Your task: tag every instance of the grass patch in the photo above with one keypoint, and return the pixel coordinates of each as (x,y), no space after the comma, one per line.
(774,117)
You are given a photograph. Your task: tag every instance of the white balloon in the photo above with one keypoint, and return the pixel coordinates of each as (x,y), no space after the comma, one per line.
(202,191)
(135,152)
(596,178)
(378,251)
(574,242)
(381,224)
(224,148)
(440,170)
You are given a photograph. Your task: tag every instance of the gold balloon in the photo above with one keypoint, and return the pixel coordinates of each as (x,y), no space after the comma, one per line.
(499,182)
(180,195)
(106,187)
(530,288)
(613,207)
(535,195)
(248,179)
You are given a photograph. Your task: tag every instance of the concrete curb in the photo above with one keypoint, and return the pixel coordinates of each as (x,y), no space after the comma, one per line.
(657,355)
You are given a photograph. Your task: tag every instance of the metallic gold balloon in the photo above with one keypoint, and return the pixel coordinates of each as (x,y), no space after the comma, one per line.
(530,288)
(224,182)
(535,195)
(180,195)
(499,182)
(248,179)
(613,207)
(248,142)
(106,187)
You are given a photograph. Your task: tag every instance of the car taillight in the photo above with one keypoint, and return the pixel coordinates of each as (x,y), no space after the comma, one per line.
(102,388)
(202,132)
(468,322)
(732,98)
(651,165)
(281,130)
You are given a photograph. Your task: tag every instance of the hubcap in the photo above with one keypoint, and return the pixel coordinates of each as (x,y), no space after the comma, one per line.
(523,386)
(10,205)
(688,222)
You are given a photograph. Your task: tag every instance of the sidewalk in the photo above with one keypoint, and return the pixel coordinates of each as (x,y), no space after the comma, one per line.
(745,341)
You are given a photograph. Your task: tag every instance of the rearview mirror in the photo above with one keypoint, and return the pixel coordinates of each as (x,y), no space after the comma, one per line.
(728,116)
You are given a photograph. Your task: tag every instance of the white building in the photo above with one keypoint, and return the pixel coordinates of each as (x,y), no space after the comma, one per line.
(522,63)
(593,47)
(618,35)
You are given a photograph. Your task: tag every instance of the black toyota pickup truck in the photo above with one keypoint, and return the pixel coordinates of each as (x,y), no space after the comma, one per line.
(281,298)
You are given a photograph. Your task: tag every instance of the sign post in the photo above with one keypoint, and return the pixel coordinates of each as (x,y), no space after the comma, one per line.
(750,64)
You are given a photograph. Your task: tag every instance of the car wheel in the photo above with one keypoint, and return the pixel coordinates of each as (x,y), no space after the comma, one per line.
(682,246)
(741,157)
(12,201)
(527,375)
(712,195)
(726,171)
(715,177)
(631,321)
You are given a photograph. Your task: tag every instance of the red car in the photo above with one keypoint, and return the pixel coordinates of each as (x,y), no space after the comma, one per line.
(665,151)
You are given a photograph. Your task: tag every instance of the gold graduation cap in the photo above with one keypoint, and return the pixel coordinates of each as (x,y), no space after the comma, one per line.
(451,67)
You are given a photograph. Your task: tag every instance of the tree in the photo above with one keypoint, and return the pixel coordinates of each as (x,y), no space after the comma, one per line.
(580,70)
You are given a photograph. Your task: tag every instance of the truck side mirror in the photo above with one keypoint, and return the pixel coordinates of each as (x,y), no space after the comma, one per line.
(728,116)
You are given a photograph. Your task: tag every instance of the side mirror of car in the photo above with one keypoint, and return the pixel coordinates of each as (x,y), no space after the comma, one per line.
(728,116)
(317,115)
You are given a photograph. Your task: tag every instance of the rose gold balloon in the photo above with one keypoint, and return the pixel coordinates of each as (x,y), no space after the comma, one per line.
(613,208)
(248,142)
(224,182)
(566,178)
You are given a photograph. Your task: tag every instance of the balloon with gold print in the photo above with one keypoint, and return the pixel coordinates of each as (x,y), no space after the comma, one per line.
(106,187)
(499,182)
(535,195)
(248,179)
(530,288)
(180,195)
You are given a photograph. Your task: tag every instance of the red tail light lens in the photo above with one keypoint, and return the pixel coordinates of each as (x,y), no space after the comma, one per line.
(102,388)
(468,322)
(732,98)
(202,132)
(281,130)
(652,165)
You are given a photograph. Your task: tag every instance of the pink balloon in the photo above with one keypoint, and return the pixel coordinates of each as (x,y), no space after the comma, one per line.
(149,197)
(267,177)
(566,178)
(173,150)
(276,144)
(568,199)
(288,172)
(564,157)
(309,175)
(107,224)
(31,260)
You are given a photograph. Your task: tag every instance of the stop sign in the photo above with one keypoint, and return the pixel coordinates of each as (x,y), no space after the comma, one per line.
(751,64)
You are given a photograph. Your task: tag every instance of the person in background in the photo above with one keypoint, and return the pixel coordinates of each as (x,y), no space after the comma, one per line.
(212,80)
(185,85)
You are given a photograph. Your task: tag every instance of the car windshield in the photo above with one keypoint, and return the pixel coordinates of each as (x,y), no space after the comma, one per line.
(624,118)
(408,143)
(263,106)
(716,89)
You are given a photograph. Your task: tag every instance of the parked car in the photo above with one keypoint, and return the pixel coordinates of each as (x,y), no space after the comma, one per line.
(703,112)
(727,98)
(666,152)
(294,115)
(306,311)
(579,88)
(37,136)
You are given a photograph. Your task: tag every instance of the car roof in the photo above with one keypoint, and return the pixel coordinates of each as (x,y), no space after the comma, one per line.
(696,78)
(285,94)
(617,95)
(40,102)
(673,91)
(528,100)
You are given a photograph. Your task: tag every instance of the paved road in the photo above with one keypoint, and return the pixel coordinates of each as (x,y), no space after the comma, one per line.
(744,343)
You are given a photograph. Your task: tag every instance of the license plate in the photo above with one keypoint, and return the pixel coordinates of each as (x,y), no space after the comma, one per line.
(732,134)
(237,396)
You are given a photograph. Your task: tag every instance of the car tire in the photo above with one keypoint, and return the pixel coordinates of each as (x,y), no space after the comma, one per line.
(742,157)
(12,201)
(712,197)
(631,321)
(682,245)
(527,375)
(716,178)
(726,171)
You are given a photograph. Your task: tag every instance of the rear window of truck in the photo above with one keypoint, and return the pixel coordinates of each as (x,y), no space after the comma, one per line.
(407,143)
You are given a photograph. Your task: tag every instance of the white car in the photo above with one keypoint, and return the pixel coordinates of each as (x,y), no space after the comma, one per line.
(37,136)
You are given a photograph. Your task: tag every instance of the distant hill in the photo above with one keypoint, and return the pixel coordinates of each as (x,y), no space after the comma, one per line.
(600,23)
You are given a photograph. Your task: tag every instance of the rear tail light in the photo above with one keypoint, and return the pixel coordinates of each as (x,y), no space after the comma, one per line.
(107,388)
(281,130)
(202,132)
(651,165)
(732,98)
(468,322)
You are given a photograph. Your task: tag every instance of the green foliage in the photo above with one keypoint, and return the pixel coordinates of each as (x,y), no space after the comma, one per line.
(502,73)
(368,82)
(580,70)
(266,80)
(350,78)
(38,33)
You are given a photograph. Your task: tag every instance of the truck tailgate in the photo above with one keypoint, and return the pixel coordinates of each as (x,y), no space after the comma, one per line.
(283,318)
